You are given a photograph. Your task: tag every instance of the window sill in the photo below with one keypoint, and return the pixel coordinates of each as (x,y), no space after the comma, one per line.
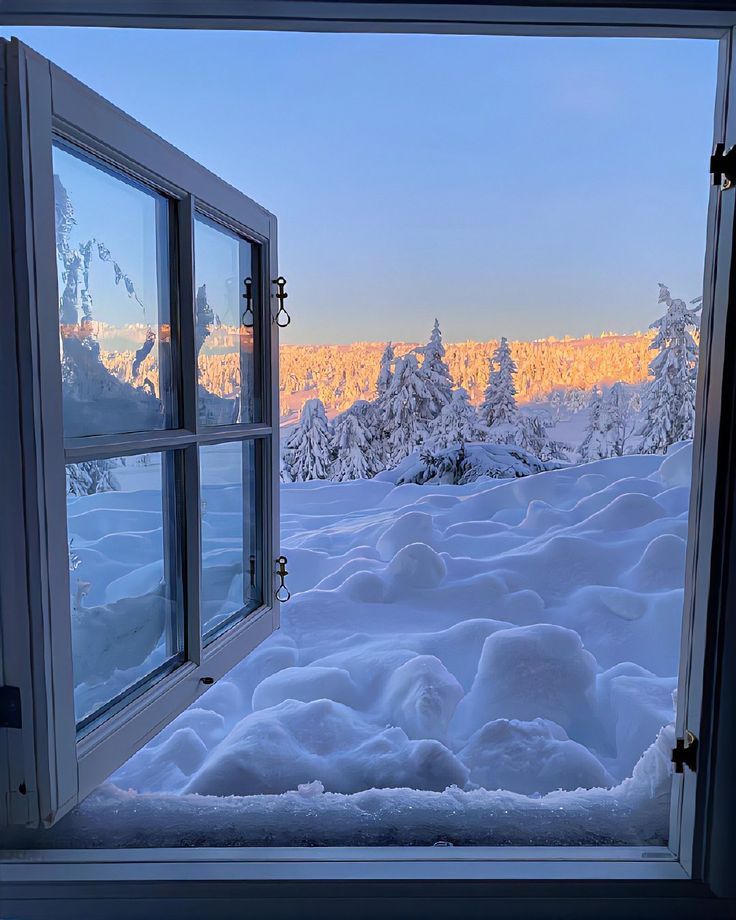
(343,863)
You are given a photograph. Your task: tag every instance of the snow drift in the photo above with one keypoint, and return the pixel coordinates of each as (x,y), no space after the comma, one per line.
(488,663)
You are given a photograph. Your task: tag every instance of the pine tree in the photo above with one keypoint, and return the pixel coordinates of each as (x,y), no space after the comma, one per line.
(435,371)
(533,436)
(669,400)
(354,448)
(596,444)
(90,477)
(307,452)
(457,423)
(385,372)
(406,410)
(498,409)
(620,409)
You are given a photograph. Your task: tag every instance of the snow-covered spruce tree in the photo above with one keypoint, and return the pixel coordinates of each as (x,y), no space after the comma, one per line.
(576,399)
(669,400)
(596,444)
(620,408)
(90,477)
(385,371)
(307,452)
(457,423)
(533,435)
(356,452)
(499,410)
(435,371)
(406,411)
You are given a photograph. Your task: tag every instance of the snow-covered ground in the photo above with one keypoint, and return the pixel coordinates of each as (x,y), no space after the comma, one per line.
(482,664)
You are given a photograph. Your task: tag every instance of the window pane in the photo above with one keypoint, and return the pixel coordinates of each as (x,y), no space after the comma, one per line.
(231,552)
(113,275)
(226,325)
(126,623)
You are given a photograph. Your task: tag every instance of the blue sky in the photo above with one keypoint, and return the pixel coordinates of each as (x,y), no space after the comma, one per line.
(510,186)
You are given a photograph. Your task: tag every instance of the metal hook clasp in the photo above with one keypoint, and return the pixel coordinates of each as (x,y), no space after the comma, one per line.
(281,296)
(248,282)
(282,592)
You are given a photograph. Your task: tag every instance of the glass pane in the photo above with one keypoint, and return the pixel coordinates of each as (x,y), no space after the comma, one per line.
(226,319)
(126,623)
(231,551)
(113,275)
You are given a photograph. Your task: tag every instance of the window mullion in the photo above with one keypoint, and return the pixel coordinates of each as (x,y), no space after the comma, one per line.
(190,511)
(186,332)
(188,470)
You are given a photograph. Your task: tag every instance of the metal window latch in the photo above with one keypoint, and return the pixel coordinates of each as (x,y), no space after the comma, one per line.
(685,753)
(10,707)
(248,317)
(281,296)
(723,166)
(282,593)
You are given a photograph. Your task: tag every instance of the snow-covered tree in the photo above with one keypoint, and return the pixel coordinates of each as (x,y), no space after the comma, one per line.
(620,408)
(435,371)
(385,371)
(498,409)
(406,411)
(463,463)
(307,452)
(533,435)
(669,400)
(457,423)
(357,454)
(596,443)
(90,477)
(576,399)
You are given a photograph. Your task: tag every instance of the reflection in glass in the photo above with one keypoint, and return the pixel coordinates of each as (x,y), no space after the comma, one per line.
(112,266)
(125,623)
(226,320)
(231,555)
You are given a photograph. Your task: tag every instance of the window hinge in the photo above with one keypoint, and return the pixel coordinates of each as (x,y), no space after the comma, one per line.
(723,166)
(685,753)
(10,707)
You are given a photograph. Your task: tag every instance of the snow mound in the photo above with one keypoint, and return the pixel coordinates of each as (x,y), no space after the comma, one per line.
(539,671)
(534,757)
(297,743)
(421,697)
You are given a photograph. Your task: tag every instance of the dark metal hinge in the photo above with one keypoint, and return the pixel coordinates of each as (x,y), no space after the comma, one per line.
(10,707)
(723,166)
(685,753)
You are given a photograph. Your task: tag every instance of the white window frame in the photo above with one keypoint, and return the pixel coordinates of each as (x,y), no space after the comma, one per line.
(698,873)
(48,765)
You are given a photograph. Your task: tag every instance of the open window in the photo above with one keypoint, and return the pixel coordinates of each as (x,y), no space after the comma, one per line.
(119,254)
(131,266)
